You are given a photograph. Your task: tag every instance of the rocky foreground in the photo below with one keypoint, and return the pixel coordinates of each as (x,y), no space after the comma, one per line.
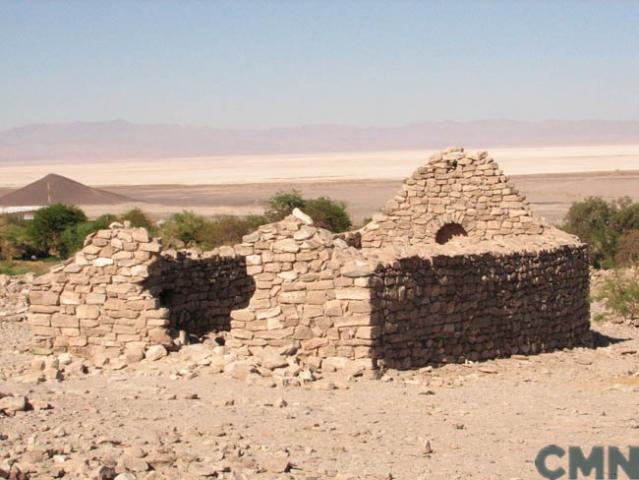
(197,413)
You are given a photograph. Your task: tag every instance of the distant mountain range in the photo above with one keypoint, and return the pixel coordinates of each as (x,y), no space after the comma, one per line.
(93,141)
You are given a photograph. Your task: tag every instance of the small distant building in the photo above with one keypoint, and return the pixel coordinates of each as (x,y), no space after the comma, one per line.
(26,212)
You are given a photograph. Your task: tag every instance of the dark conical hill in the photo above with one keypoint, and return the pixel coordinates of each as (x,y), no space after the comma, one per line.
(58,189)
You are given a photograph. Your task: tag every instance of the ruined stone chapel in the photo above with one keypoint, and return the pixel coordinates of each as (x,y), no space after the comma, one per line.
(456,267)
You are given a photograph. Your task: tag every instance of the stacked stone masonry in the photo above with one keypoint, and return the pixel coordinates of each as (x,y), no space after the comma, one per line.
(97,300)
(454,187)
(455,268)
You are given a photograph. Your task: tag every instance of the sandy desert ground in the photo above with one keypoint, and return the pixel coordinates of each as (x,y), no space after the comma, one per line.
(179,417)
(314,167)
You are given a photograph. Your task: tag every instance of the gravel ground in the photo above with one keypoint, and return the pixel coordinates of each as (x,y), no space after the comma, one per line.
(178,418)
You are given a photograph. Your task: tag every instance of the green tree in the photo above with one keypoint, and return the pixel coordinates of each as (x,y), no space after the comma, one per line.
(48,224)
(594,222)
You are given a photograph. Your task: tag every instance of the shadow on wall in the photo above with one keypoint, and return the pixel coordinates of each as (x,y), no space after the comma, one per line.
(200,293)
(449,309)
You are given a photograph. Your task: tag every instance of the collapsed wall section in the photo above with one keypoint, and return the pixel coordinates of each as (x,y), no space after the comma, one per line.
(289,284)
(311,294)
(121,293)
(452,308)
(96,301)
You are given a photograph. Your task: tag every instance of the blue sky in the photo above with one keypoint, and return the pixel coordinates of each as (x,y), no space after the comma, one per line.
(259,64)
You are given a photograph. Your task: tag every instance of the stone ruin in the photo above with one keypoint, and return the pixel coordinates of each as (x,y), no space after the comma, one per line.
(456,267)
(14,292)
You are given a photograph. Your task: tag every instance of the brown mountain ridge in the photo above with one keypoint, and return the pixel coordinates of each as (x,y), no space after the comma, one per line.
(97,141)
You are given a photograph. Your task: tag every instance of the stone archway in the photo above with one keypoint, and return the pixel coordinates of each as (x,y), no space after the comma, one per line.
(443,227)
(449,230)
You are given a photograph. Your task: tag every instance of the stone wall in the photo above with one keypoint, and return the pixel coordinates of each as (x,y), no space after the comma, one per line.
(14,292)
(121,293)
(401,292)
(454,187)
(200,290)
(95,302)
(294,287)
(289,284)
(310,295)
(449,309)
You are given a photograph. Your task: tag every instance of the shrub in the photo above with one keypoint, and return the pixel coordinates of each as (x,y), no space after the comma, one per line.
(20,267)
(227,229)
(4,244)
(599,317)
(628,249)
(620,293)
(602,224)
(627,215)
(329,214)
(325,212)
(103,221)
(72,237)
(9,247)
(188,229)
(48,223)
(138,218)
(282,204)
(15,241)
(183,229)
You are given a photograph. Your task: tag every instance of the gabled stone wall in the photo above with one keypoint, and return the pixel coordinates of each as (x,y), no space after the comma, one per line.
(454,187)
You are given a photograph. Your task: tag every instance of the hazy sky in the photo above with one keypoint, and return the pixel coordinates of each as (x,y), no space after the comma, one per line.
(265,63)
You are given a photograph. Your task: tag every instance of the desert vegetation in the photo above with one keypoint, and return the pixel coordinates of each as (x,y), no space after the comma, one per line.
(188,229)
(619,294)
(58,231)
(611,228)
